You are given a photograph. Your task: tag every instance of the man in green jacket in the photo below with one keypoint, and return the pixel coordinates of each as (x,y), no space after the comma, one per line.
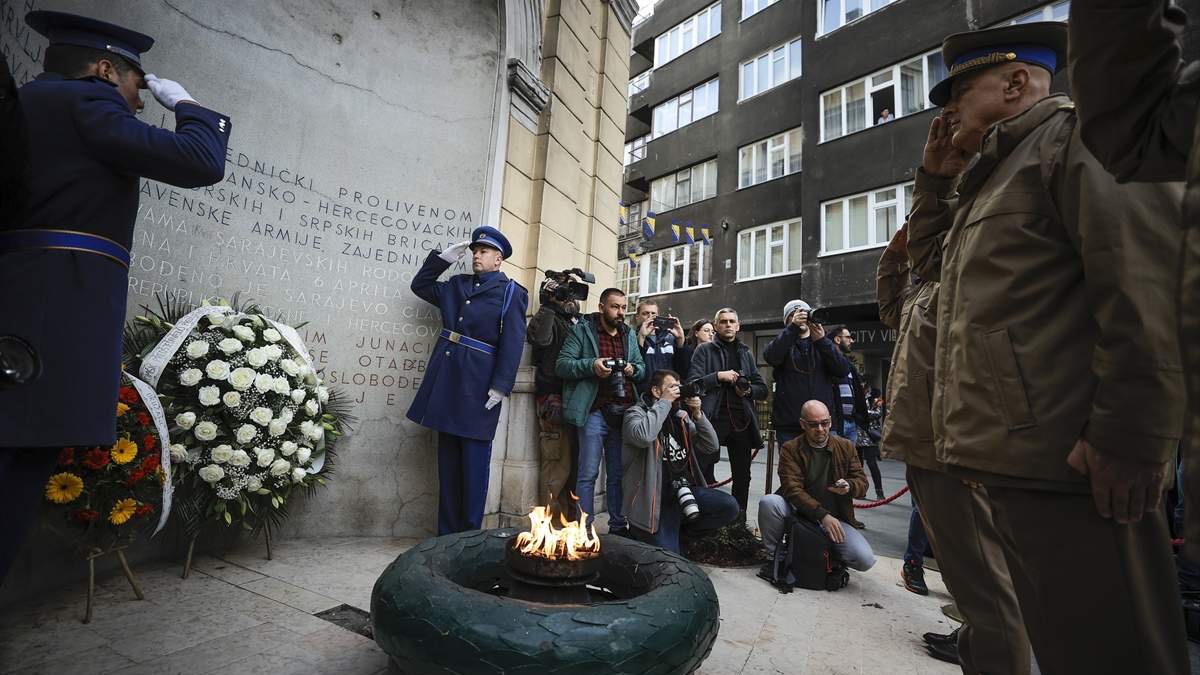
(1056,351)
(598,365)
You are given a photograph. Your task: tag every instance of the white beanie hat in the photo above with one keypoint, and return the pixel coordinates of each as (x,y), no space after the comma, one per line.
(793,305)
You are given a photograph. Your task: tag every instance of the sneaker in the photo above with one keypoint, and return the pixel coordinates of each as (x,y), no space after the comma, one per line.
(913,577)
(950,638)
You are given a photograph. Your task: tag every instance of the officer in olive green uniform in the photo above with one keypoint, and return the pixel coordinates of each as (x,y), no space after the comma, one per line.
(1057,352)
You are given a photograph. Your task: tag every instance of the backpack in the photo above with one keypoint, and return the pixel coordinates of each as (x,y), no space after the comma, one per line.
(805,558)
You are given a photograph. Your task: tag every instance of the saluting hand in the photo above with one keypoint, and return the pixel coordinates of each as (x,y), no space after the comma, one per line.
(167,92)
(941,157)
(454,253)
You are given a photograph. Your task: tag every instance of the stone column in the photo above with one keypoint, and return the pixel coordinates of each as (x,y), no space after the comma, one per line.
(561,183)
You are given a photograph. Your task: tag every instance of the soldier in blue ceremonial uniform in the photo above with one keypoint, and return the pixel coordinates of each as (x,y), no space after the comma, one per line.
(64,254)
(473,366)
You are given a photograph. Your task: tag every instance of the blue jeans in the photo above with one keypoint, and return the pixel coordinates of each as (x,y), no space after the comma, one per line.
(918,541)
(596,439)
(717,509)
(773,511)
(850,431)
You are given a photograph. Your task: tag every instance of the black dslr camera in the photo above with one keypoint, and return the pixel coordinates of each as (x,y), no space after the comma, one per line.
(742,383)
(691,388)
(617,381)
(568,288)
(664,323)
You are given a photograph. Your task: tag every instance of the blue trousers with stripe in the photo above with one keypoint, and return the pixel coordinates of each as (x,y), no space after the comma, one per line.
(463,468)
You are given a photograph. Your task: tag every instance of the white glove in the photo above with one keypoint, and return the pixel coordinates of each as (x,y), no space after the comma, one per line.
(168,92)
(455,253)
(494,398)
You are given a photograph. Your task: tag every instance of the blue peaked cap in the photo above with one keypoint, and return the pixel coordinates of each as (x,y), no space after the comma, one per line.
(61,28)
(1043,44)
(485,235)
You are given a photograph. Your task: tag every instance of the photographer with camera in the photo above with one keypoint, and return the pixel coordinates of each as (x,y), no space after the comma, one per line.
(598,365)
(808,367)
(663,485)
(548,329)
(731,383)
(660,338)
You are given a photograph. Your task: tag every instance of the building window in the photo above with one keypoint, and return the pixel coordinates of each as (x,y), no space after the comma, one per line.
(864,220)
(633,220)
(770,158)
(752,7)
(1055,11)
(639,84)
(833,14)
(635,150)
(684,187)
(899,90)
(628,278)
(686,108)
(676,269)
(684,37)
(769,70)
(769,250)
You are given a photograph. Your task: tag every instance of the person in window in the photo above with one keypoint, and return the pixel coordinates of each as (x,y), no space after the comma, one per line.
(885,116)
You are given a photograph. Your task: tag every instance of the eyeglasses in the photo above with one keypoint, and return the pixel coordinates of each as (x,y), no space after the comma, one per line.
(823,424)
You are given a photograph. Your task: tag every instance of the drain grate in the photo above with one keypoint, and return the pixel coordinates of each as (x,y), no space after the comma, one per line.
(352,619)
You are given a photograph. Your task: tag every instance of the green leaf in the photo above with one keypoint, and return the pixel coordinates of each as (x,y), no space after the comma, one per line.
(228,518)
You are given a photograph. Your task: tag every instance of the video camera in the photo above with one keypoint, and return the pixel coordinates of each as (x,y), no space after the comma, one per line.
(568,288)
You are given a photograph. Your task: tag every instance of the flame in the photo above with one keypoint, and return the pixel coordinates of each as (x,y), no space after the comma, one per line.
(570,540)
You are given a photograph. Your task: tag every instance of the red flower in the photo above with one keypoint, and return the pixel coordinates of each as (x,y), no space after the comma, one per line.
(151,462)
(66,457)
(149,442)
(134,477)
(143,419)
(85,515)
(128,395)
(144,509)
(96,459)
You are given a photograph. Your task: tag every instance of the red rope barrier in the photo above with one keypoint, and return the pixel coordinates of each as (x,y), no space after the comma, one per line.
(729,480)
(881,502)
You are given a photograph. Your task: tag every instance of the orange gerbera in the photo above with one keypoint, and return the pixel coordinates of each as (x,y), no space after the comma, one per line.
(124,451)
(122,511)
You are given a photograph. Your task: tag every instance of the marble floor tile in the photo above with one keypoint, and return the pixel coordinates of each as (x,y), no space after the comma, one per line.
(91,662)
(224,570)
(293,596)
(215,653)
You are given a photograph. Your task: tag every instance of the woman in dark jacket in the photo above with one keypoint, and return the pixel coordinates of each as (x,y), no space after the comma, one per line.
(702,332)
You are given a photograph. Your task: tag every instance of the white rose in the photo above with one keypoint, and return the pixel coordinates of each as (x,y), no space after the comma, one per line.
(303,454)
(298,475)
(277,427)
(244,333)
(185,420)
(253,484)
(190,377)
(314,431)
(280,467)
(178,453)
(215,318)
(297,396)
(197,348)
(323,394)
(230,345)
(272,335)
(256,357)
(309,375)
(222,453)
(312,408)
(210,395)
(217,370)
(290,367)
(205,431)
(212,473)
(232,399)
(273,352)
(264,383)
(287,415)
(288,448)
(264,456)
(246,433)
(239,458)
(242,378)
(261,416)
(282,386)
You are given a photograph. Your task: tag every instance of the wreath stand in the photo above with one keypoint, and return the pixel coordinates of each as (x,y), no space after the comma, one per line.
(187,563)
(91,561)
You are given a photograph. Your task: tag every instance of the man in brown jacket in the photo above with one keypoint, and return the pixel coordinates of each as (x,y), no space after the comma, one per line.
(1056,342)
(1138,105)
(957,515)
(819,475)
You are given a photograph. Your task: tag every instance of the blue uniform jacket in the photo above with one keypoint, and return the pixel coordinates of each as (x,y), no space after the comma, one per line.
(455,388)
(87,152)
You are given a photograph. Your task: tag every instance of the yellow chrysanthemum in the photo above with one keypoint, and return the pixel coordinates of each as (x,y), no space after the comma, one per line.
(121,408)
(122,511)
(124,451)
(64,488)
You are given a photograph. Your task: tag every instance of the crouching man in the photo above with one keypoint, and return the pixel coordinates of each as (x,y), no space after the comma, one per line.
(819,474)
(662,479)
